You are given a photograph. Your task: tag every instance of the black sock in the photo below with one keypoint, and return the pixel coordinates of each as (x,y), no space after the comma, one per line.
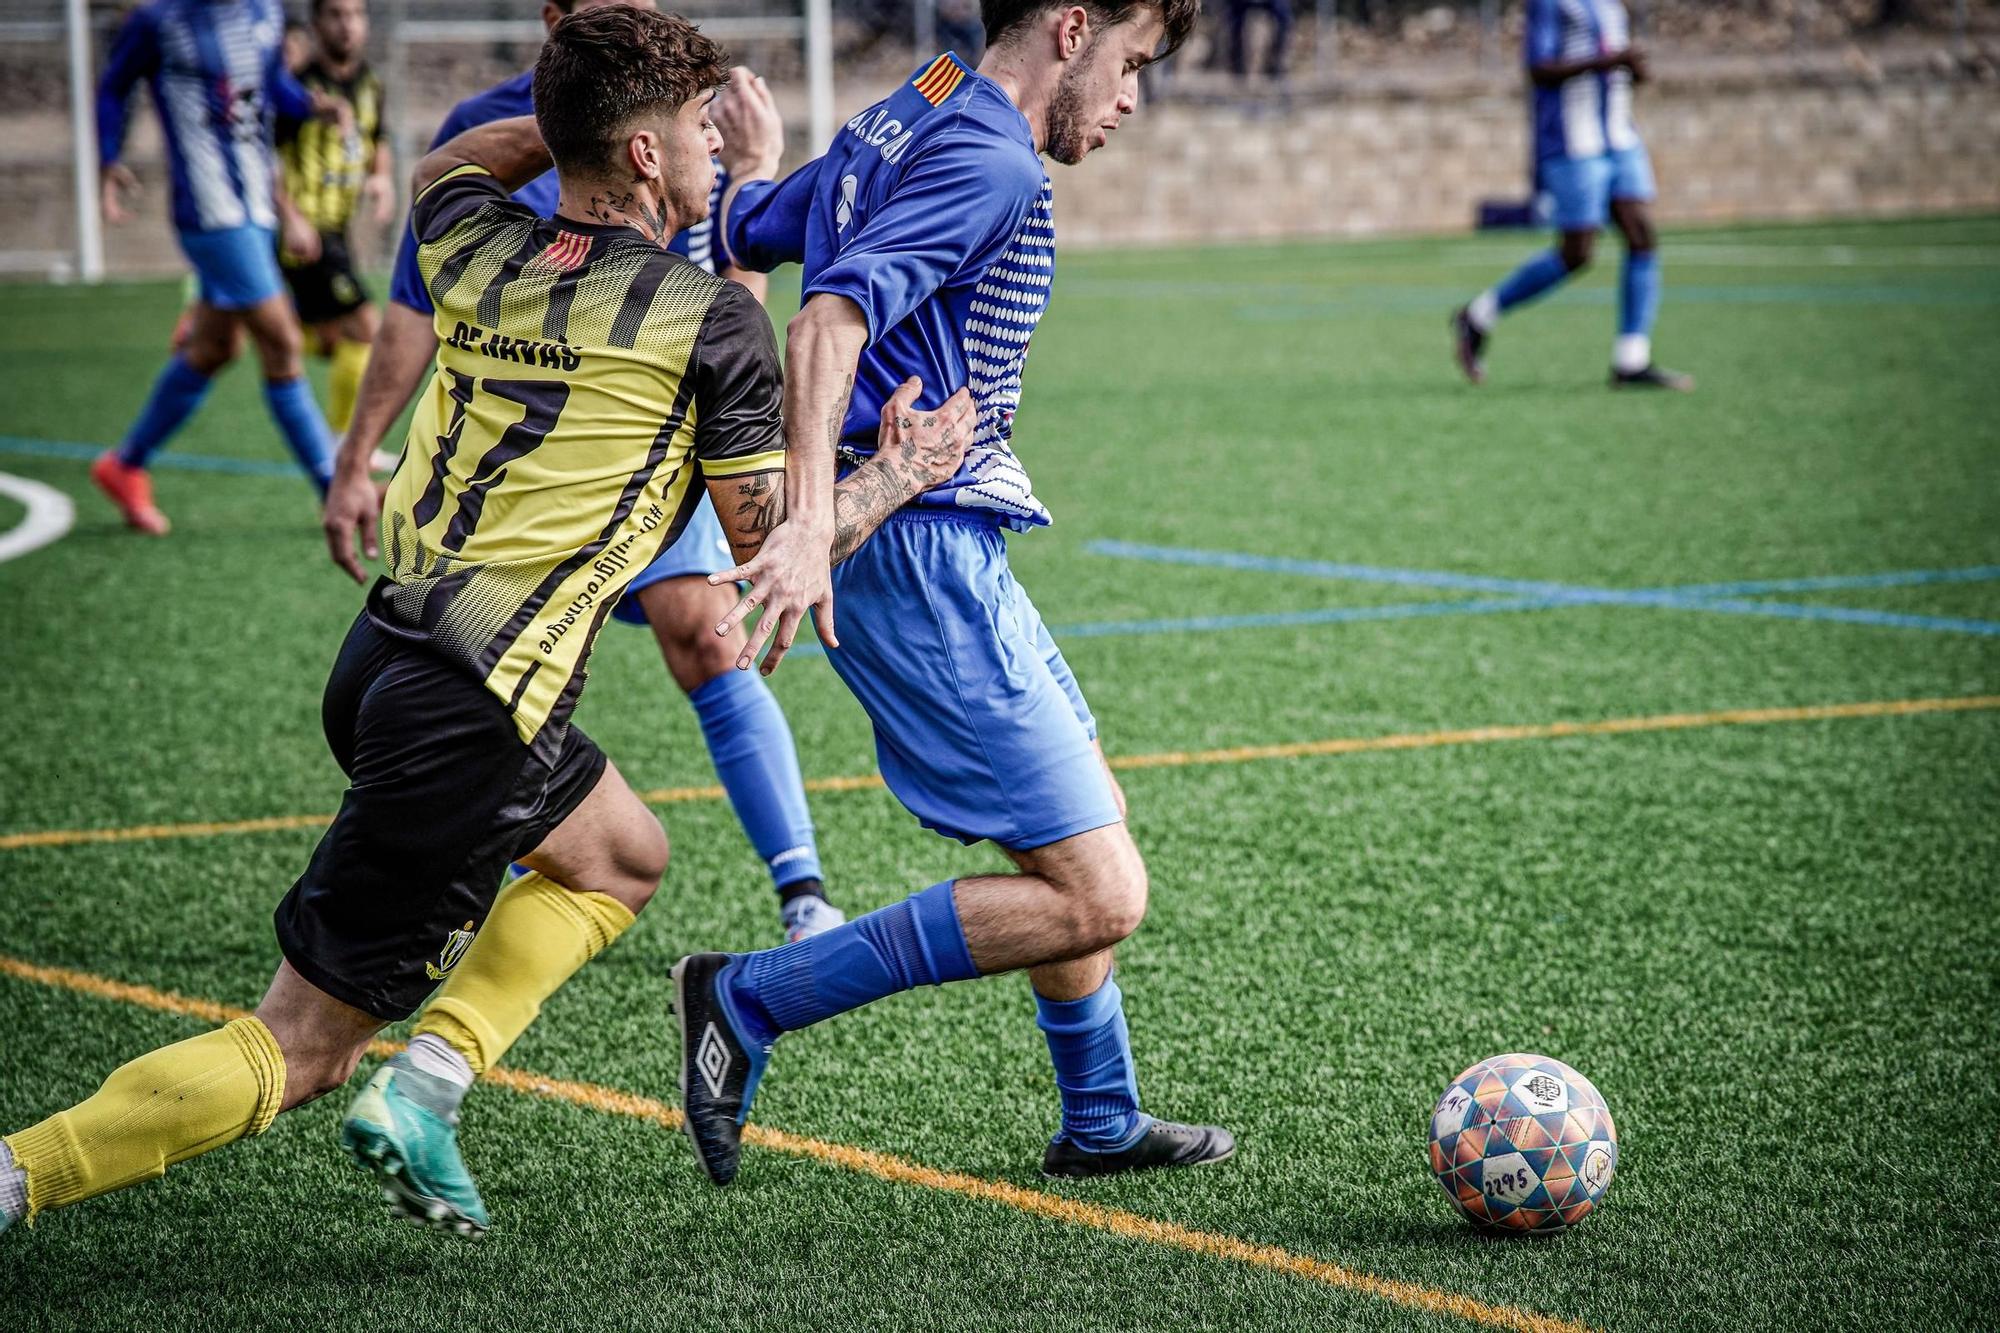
(800,888)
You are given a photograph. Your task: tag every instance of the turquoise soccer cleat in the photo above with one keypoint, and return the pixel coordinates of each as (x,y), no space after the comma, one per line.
(403,1128)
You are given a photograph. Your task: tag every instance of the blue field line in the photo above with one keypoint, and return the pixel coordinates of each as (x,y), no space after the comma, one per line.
(1851,615)
(84,453)
(1424,300)
(1332,615)
(1329,569)
(1895,578)
(1546,595)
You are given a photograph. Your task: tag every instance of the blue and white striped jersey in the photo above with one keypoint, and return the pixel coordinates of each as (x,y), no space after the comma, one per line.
(1590,114)
(217,75)
(932,213)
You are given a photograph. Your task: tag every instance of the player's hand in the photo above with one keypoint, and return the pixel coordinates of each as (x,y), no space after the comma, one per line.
(791,577)
(113,183)
(927,446)
(353,509)
(380,192)
(753,133)
(299,239)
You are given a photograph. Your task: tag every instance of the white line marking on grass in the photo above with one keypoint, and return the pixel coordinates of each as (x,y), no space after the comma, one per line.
(50,515)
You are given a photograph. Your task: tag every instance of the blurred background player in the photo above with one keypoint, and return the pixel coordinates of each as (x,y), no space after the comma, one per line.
(748,738)
(217,74)
(927,239)
(329,169)
(1588,156)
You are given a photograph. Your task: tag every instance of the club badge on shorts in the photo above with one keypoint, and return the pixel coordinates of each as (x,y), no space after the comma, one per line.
(455,945)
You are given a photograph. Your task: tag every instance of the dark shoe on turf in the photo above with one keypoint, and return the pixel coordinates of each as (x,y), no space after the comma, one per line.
(1653,377)
(1470,343)
(1163,1144)
(719,1070)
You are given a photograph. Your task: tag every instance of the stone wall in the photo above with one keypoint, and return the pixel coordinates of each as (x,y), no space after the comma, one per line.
(1914,141)
(1831,140)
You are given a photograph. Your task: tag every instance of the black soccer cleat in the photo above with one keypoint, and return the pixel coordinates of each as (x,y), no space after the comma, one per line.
(1653,377)
(719,1070)
(1469,343)
(1163,1144)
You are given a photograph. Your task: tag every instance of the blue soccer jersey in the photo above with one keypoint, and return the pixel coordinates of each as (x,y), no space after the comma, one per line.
(217,76)
(1591,114)
(516,97)
(932,213)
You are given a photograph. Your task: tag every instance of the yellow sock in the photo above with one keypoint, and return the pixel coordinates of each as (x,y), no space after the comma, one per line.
(164,1107)
(343,383)
(537,934)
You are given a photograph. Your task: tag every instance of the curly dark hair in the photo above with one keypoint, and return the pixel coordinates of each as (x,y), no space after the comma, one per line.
(602,67)
(1002,17)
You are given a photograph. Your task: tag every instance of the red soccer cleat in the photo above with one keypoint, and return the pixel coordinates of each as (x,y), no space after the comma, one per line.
(131,489)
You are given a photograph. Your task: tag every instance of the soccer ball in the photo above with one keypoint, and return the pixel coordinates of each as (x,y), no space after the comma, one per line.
(1523,1144)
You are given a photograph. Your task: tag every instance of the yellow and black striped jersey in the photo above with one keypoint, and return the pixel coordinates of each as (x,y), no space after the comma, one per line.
(586,383)
(324,165)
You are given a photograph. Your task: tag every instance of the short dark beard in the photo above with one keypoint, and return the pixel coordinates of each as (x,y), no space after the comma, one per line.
(1065,139)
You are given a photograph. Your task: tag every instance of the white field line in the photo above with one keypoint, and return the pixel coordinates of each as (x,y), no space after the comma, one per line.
(50,515)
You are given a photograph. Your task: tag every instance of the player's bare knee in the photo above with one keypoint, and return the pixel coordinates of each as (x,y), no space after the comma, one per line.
(207,354)
(1577,248)
(1114,897)
(697,655)
(640,862)
(282,353)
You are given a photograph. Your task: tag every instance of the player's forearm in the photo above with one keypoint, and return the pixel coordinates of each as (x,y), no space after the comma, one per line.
(823,345)
(750,507)
(511,150)
(1556,72)
(867,496)
(403,349)
(112,110)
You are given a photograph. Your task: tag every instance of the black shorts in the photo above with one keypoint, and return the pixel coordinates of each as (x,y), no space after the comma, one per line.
(327,288)
(443,795)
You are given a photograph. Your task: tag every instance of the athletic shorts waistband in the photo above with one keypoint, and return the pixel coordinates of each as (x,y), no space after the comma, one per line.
(971,518)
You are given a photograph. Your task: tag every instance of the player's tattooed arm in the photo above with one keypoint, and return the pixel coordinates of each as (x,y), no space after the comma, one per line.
(752,507)
(915,451)
(791,577)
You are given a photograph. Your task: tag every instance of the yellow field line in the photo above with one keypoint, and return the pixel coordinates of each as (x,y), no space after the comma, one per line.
(1241,754)
(886,1167)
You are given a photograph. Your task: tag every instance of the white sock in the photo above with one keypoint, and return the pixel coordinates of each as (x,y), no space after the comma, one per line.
(433,1055)
(1631,352)
(1484,312)
(13,1187)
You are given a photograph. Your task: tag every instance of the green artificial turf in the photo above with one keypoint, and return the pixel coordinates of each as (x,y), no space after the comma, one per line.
(1774,948)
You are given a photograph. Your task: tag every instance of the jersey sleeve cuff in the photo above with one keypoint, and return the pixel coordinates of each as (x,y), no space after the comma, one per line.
(854,290)
(771,460)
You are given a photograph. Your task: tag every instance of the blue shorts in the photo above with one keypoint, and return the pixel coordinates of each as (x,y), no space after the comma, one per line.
(980,728)
(235,268)
(1583,187)
(700,550)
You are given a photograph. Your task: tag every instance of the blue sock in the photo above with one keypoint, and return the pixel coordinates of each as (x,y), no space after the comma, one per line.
(1533,278)
(292,406)
(916,942)
(176,394)
(751,745)
(1093,1057)
(1639,293)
